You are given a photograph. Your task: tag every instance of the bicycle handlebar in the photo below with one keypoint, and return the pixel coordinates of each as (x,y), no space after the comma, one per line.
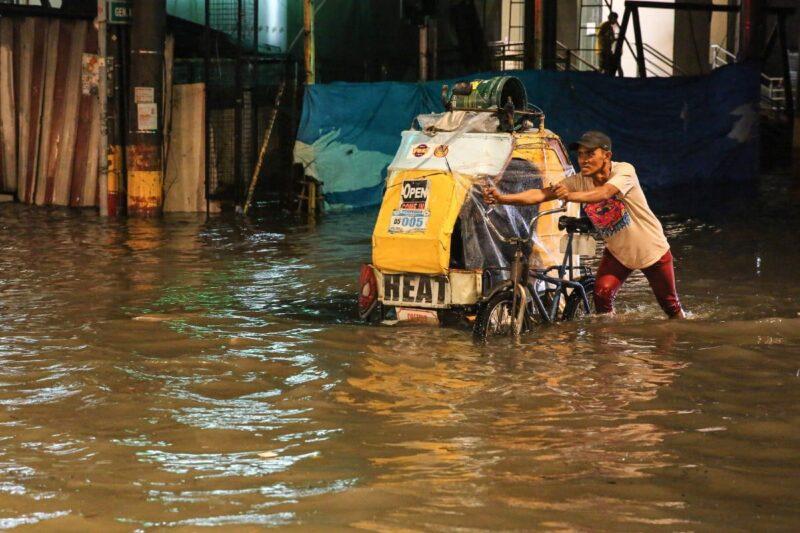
(562,209)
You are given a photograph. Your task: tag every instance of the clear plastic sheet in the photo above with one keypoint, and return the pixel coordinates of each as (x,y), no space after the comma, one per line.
(462,121)
(475,245)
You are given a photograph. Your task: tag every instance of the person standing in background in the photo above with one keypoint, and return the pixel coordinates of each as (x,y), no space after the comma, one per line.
(605,43)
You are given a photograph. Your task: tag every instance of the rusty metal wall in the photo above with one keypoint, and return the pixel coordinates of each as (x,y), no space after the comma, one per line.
(49,137)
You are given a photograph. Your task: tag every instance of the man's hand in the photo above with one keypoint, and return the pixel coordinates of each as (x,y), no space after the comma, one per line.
(491,195)
(561,191)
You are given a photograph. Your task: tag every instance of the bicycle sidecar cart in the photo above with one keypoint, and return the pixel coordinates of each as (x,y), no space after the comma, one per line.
(435,250)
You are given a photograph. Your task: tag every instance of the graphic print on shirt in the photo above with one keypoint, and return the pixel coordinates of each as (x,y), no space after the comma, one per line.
(608,216)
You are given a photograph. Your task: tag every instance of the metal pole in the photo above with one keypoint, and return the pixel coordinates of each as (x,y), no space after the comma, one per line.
(253,67)
(123,113)
(207,114)
(529,46)
(549,29)
(308,25)
(787,79)
(102,170)
(621,39)
(797,118)
(753,22)
(796,137)
(145,127)
(637,32)
(113,119)
(538,30)
(290,184)
(238,111)
(433,29)
(255,28)
(423,50)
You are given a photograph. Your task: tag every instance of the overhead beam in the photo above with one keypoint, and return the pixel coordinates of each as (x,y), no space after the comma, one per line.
(685,6)
(682,6)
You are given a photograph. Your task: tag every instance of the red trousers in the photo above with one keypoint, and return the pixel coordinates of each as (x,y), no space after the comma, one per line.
(611,274)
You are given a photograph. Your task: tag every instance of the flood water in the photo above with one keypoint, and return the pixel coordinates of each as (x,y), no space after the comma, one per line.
(193,372)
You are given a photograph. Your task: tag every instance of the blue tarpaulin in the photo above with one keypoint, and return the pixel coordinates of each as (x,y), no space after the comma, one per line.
(675,131)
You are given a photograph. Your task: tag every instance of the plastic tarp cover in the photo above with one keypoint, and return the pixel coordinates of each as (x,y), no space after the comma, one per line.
(457,120)
(675,131)
(476,245)
(349,133)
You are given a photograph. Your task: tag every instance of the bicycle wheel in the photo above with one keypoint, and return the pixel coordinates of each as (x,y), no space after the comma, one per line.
(575,309)
(495,318)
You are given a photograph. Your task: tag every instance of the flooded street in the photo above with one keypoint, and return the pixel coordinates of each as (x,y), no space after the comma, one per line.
(191,372)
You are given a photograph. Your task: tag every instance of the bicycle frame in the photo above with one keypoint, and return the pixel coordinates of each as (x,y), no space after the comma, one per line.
(566,268)
(520,283)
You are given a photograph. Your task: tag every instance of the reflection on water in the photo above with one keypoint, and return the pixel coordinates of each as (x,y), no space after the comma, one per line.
(193,372)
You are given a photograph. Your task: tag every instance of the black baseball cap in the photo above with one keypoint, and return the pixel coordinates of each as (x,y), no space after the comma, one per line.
(592,140)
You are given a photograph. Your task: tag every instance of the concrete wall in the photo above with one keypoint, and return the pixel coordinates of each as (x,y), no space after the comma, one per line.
(184,180)
(491,15)
(49,111)
(568,22)
(719,30)
(692,31)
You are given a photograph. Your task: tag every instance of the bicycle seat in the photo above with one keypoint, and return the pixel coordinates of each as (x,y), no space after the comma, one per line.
(575,224)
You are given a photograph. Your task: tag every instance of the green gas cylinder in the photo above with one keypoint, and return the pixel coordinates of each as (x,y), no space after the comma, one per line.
(489,94)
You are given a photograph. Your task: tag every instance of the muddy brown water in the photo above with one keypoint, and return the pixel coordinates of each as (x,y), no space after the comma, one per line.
(192,372)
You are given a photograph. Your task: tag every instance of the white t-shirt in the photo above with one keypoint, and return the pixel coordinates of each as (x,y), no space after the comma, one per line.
(631,231)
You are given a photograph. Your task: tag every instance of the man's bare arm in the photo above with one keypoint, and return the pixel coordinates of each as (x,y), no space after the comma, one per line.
(598,194)
(529,197)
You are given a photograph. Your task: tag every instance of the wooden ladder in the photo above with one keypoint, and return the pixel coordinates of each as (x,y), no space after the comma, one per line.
(310,196)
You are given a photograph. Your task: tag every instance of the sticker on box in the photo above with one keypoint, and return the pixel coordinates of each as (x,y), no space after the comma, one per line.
(409,221)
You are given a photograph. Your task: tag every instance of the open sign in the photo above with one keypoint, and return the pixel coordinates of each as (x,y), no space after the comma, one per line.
(414,194)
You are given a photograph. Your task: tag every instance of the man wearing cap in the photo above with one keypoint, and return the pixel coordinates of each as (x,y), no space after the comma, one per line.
(616,205)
